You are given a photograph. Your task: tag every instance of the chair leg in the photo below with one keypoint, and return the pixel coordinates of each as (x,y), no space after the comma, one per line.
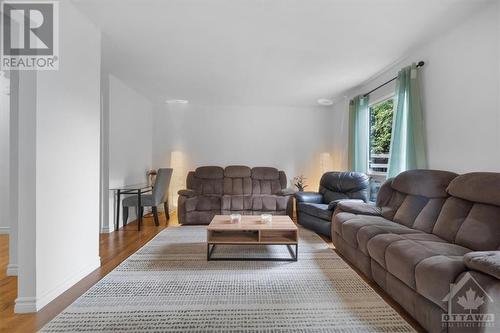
(155,215)
(165,206)
(125,215)
(140,213)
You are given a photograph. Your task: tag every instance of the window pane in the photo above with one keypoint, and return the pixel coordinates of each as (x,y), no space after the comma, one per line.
(380,141)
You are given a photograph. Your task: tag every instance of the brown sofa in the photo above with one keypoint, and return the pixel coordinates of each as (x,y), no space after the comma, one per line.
(430,229)
(212,190)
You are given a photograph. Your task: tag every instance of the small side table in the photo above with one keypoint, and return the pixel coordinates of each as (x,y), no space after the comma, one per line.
(138,189)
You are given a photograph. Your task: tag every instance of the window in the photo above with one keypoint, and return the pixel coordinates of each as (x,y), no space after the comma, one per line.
(379,144)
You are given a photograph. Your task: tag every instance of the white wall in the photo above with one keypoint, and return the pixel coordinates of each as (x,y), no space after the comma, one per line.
(288,138)
(129,148)
(59,168)
(461,89)
(12,267)
(4,152)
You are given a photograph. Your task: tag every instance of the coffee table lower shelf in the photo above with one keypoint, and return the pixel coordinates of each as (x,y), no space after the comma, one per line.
(293,254)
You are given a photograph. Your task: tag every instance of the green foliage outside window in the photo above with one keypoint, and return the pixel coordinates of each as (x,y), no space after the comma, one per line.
(381,127)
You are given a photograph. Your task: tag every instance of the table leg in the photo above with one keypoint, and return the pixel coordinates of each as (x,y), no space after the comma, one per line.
(117,224)
(209,251)
(295,255)
(139,204)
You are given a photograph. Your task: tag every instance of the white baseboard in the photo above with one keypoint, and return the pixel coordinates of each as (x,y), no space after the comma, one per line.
(4,230)
(34,304)
(25,305)
(107,230)
(12,270)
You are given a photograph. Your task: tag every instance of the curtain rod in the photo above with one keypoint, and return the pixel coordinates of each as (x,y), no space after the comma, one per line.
(420,64)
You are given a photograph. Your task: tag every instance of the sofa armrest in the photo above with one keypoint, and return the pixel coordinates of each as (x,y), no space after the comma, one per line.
(310,197)
(487,262)
(285,192)
(187,193)
(333,204)
(361,208)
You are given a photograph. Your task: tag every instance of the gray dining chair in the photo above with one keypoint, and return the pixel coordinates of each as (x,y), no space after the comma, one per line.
(158,196)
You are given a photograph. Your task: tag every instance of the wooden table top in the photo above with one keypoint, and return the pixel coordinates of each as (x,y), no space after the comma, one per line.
(251,222)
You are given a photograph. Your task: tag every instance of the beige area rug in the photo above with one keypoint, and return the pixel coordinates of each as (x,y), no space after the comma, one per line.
(168,286)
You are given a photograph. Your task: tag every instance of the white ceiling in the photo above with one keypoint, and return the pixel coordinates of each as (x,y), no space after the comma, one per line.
(261,52)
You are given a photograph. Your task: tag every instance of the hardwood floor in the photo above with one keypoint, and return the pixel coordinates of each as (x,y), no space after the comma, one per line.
(114,248)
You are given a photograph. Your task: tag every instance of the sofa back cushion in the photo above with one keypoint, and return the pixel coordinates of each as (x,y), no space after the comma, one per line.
(416,197)
(471,216)
(207,180)
(237,180)
(343,185)
(267,180)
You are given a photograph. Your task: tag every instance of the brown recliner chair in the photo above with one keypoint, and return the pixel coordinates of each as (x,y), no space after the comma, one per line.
(429,229)
(212,190)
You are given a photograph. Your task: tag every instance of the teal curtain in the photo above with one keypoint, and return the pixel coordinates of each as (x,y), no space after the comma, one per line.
(358,134)
(408,137)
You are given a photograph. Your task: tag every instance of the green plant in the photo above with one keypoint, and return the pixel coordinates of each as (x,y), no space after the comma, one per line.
(381,126)
(299,182)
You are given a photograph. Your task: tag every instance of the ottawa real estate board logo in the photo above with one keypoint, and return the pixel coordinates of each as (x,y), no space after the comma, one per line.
(30,35)
(469,306)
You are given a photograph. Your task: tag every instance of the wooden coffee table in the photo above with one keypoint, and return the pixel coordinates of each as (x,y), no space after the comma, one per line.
(251,231)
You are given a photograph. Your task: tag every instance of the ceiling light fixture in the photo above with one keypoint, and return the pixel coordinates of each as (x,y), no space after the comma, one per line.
(176,101)
(325,102)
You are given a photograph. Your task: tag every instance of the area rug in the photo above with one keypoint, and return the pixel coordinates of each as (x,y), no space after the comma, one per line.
(168,286)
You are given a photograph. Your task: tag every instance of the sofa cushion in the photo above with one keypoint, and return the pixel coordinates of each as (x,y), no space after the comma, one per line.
(237,186)
(351,227)
(338,219)
(451,217)
(265,180)
(268,203)
(415,197)
(209,172)
(200,217)
(434,275)
(318,210)
(424,183)
(402,256)
(481,187)
(392,204)
(205,203)
(265,173)
(480,230)
(368,232)
(409,209)
(237,180)
(426,220)
(237,171)
(236,202)
(344,185)
(378,244)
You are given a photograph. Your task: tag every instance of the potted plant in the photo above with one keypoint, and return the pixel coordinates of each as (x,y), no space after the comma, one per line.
(299,182)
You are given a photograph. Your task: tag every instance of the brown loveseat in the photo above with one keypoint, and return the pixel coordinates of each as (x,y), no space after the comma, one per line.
(430,229)
(212,190)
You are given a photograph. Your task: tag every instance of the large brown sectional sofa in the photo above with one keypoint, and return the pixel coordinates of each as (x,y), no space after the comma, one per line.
(429,229)
(213,190)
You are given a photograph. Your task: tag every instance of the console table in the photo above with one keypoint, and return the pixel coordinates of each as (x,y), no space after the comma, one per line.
(137,189)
